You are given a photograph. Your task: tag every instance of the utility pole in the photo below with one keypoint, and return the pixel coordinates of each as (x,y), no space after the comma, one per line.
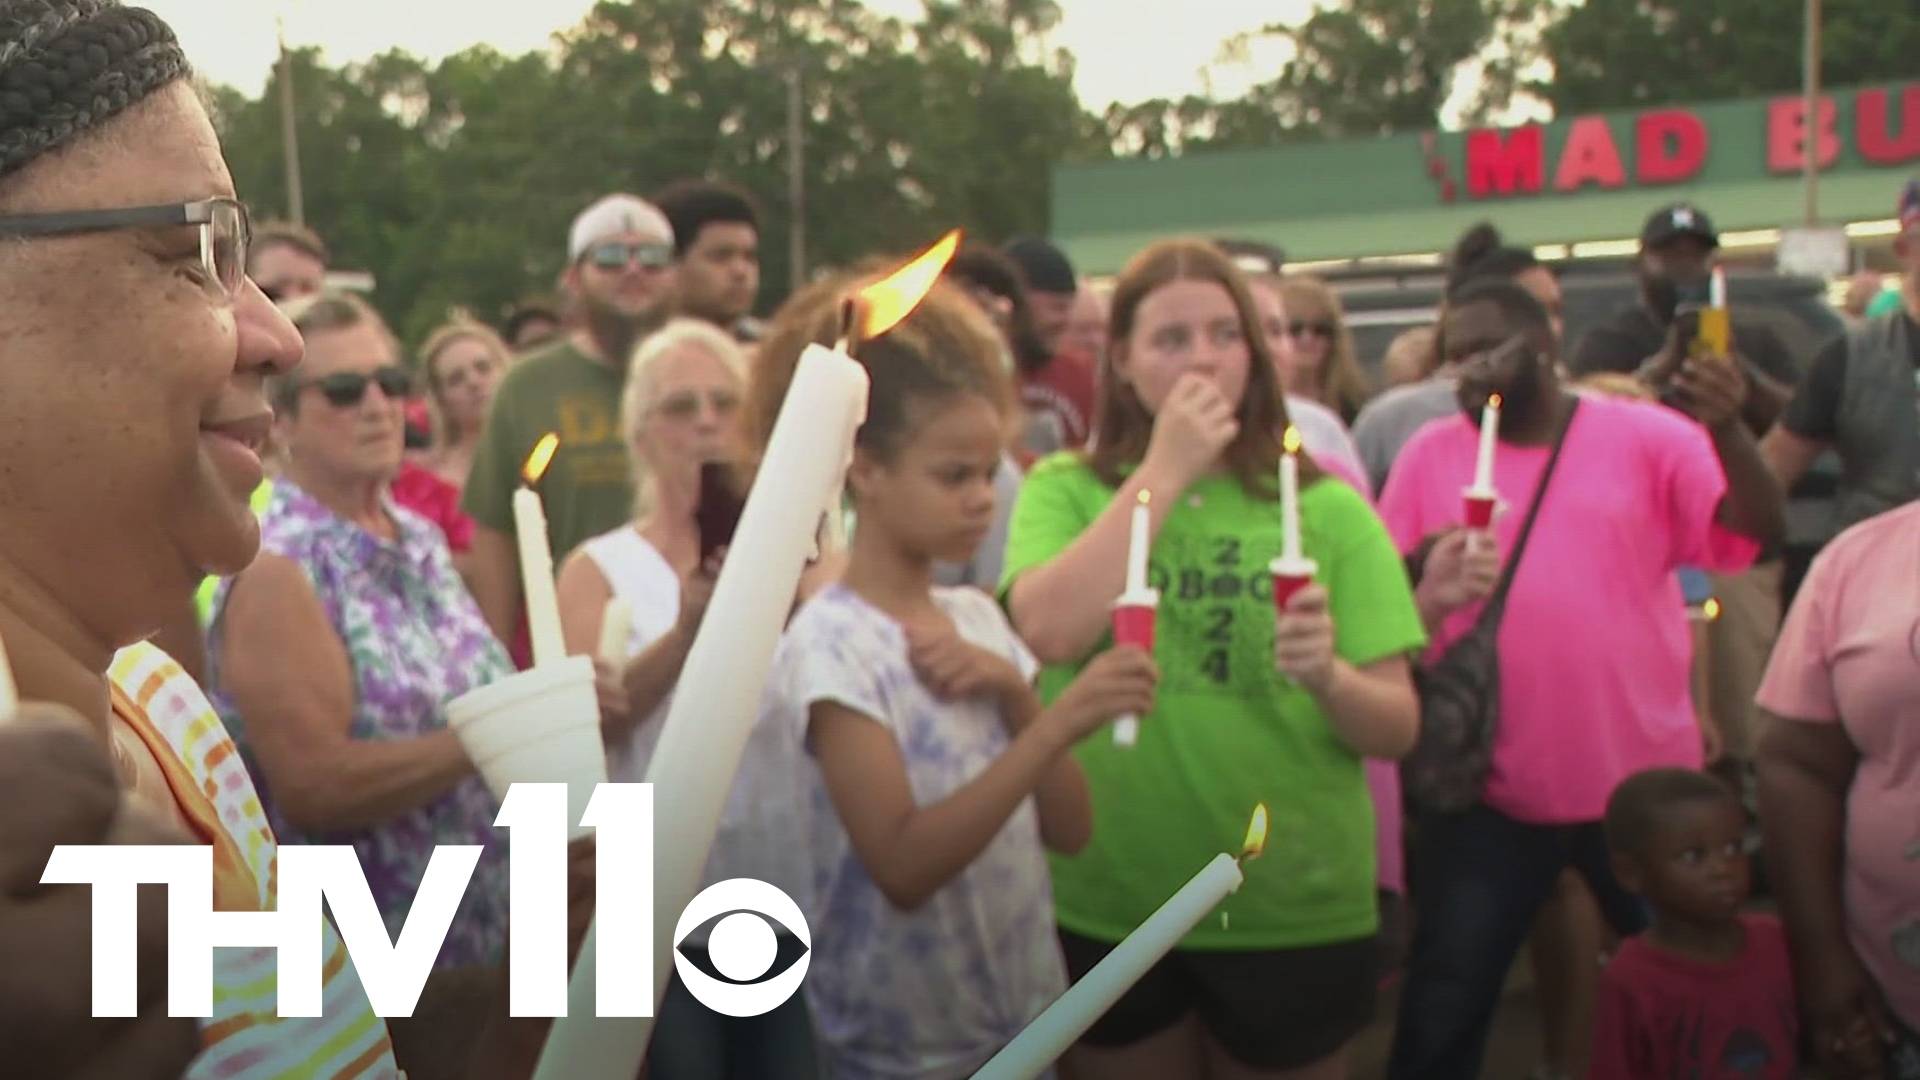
(289,136)
(796,180)
(1810,143)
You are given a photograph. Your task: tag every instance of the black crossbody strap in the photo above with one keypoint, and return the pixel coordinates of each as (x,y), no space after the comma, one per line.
(1497,601)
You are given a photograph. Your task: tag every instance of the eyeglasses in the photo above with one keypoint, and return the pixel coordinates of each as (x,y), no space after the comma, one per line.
(1315,329)
(226,231)
(686,403)
(614,255)
(346,389)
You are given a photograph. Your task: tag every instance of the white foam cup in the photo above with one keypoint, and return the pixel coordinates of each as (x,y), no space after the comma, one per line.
(537,726)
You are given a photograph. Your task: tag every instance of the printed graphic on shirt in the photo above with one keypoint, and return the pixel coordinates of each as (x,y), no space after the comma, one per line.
(1218,595)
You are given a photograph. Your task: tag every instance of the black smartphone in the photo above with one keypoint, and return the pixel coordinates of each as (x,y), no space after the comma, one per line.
(718,512)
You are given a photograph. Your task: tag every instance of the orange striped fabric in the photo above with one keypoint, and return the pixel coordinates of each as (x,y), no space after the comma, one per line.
(245,1039)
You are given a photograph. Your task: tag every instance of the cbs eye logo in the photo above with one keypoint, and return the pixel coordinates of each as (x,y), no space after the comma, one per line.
(742,918)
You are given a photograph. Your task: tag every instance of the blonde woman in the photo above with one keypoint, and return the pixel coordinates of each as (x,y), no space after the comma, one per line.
(679,409)
(1326,367)
(462,363)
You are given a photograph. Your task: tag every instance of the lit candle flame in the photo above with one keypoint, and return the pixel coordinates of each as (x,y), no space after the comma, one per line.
(1290,442)
(541,457)
(1256,834)
(1711,609)
(1144,496)
(1493,400)
(883,304)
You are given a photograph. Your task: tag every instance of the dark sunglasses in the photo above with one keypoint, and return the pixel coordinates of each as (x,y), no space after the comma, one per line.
(1317,329)
(616,256)
(345,389)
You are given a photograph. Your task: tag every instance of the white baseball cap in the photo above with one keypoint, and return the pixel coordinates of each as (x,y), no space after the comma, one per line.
(612,216)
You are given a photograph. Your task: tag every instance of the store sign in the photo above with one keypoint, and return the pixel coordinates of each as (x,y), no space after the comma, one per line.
(1672,146)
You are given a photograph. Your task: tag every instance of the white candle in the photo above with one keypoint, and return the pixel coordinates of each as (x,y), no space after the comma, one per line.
(616,628)
(717,698)
(1489,434)
(1290,495)
(1053,1031)
(536,577)
(1717,289)
(9,692)
(1137,548)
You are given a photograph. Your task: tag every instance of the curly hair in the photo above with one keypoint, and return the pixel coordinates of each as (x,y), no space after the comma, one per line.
(69,66)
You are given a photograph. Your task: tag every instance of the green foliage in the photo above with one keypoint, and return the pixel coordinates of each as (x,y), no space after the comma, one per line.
(455,182)
(1610,54)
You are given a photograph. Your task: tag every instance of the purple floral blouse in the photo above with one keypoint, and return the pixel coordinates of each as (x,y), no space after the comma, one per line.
(416,641)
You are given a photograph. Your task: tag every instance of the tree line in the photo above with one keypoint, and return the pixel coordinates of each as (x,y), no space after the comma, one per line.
(454,182)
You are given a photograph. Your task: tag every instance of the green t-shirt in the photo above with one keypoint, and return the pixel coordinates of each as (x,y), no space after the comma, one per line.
(588,489)
(1228,731)
(203,597)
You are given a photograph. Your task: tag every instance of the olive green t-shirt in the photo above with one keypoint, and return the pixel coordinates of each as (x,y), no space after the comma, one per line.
(588,489)
(1228,732)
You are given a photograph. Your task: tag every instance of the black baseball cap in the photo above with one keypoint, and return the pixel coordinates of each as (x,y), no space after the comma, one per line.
(1670,223)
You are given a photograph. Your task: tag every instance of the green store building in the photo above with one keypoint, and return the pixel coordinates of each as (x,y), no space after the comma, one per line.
(1576,188)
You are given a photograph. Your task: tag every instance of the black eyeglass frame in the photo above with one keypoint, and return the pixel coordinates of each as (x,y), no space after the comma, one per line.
(201,212)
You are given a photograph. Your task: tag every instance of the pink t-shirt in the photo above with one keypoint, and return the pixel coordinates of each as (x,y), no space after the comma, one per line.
(1849,654)
(1595,649)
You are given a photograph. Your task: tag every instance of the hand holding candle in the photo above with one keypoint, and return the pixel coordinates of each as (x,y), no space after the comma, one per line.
(1481,498)
(1036,1049)
(536,557)
(1137,608)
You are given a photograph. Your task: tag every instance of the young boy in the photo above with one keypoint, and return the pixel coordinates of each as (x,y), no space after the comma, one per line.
(1707,991)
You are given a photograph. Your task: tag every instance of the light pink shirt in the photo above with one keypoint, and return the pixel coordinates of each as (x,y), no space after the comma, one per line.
(1849,654)
(1595,649)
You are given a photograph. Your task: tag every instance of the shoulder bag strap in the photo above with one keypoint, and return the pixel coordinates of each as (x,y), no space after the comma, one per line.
(1497,601)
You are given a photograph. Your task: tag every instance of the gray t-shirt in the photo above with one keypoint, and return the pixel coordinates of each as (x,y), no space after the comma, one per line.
(1388,421)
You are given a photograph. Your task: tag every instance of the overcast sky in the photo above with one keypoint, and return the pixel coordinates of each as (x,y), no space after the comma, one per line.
(1128,50)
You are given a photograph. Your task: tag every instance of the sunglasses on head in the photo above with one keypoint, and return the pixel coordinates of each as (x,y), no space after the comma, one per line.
(686,403)
(614,255)
(1316,329)
(346,389)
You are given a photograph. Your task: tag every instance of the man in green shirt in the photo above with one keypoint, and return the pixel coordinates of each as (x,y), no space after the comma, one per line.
(620,279)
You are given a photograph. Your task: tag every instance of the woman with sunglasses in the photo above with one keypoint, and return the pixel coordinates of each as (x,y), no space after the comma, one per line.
(1325,366)
(333,656)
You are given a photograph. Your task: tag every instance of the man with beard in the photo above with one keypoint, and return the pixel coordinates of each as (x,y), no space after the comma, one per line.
(620,278)
(1677,249)
(1594,646)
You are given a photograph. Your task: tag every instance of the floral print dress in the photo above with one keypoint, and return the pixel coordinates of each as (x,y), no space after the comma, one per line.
(416,641)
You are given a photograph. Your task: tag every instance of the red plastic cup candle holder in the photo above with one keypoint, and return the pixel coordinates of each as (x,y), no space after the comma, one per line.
(1133,623)
(1480,507)
(1289,577)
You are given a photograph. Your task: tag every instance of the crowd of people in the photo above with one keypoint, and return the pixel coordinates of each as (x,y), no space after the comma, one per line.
(253,546)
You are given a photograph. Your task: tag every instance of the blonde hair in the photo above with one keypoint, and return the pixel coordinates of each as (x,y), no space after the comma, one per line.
(1341,379)
(460,326)
(1413,355)
(1617,384)
(638,393)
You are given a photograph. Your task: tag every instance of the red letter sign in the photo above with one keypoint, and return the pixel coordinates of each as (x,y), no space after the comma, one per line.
(1876,143)
(1590,157)
(1671,146)
(1786,134)
(1505,164)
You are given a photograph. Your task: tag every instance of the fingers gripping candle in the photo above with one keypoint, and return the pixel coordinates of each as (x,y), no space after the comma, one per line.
(717,698)
(1053,1031)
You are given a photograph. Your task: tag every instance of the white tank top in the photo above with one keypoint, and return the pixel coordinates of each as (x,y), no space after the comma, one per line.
(640,575)
(759,833)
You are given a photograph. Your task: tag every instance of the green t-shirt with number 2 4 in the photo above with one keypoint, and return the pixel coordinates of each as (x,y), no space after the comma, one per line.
(1227,732)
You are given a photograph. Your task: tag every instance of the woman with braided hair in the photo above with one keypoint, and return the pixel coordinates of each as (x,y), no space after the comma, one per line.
(133,357)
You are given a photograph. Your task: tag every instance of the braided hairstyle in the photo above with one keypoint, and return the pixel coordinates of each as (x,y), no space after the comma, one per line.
(69,66)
